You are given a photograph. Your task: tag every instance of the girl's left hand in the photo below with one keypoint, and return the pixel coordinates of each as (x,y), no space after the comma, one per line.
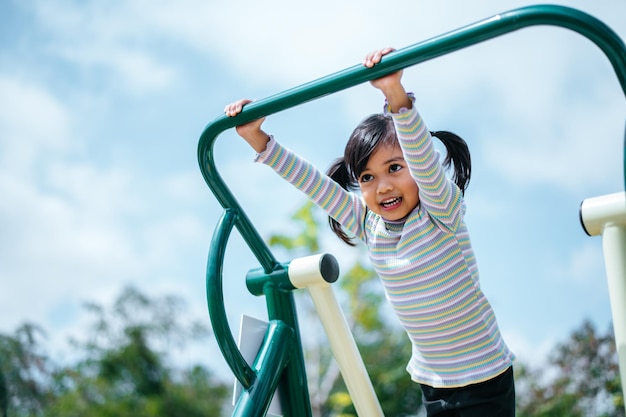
(383,83)
(390,85)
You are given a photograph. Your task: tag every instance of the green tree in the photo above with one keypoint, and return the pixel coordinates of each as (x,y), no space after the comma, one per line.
(4,395)
(24,372)
(384,346)
(122,368)
(126,369)
(585,380)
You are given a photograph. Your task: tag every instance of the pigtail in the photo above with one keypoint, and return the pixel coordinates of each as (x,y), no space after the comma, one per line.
(458,155)
(339,173)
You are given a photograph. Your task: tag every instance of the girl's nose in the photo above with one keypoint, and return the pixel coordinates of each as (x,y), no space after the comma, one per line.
(384,186)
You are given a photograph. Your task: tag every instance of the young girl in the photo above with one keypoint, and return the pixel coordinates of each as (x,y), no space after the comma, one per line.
(410,216)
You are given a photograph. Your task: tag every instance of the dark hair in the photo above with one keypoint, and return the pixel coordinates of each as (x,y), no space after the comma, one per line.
(377,130)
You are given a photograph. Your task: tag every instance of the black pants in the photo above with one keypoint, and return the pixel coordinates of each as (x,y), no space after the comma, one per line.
(493,398)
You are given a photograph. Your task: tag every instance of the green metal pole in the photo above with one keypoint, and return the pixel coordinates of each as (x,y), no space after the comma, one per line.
(215,300)
(277,288)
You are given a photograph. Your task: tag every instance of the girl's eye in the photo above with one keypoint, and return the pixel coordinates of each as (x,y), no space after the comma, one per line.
(366,178)
(395,167)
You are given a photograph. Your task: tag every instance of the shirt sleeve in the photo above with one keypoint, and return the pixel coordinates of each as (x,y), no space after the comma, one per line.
(345,207)
(439,196)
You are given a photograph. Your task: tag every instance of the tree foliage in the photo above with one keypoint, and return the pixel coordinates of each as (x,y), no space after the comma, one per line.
(24,372)
(581,379)
(123,367)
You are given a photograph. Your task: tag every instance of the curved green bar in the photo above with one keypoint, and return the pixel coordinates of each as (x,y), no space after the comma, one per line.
(215,300)
(281,352)
(604,37)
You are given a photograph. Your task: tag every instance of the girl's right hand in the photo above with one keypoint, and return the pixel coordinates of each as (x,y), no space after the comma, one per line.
(250,131)
(391,84)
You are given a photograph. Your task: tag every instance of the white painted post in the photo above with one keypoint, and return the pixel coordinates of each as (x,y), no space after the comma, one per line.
(307,273)
(606,216)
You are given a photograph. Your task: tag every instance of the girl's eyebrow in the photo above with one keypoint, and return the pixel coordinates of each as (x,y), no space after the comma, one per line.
(394,159)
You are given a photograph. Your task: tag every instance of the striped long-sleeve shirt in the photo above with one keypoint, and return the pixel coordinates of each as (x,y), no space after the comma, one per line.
(426,262)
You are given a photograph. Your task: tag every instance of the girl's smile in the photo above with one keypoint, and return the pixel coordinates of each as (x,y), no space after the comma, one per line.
(386,184)
(391,204)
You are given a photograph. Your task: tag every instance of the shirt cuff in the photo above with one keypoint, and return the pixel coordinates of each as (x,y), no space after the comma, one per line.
(387,110)
(269,149)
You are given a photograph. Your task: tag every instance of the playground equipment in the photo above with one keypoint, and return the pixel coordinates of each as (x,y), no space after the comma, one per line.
(279,363)
(606,216)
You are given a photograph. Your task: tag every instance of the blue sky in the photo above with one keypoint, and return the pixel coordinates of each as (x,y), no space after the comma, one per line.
(102,105)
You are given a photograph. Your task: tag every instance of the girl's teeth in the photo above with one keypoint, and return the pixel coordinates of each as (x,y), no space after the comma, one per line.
(390,202)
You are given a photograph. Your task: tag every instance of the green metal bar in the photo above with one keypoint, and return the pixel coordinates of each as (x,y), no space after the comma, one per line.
(595,30)
(215,300)
(272,358)
(277,289)
(295,400)
(257,280)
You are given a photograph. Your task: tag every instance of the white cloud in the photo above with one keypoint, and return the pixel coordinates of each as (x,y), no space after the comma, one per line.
(73,229)
(271,39)
(105,40)
(573,145)
(584,267)
(33,123)
(59,246)
(530,352)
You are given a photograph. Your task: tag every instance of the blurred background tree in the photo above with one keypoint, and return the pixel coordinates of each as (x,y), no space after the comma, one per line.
(123,368)
(581,378)
(25,372)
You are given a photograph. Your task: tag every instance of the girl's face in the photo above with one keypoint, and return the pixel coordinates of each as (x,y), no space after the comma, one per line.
(387,185)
